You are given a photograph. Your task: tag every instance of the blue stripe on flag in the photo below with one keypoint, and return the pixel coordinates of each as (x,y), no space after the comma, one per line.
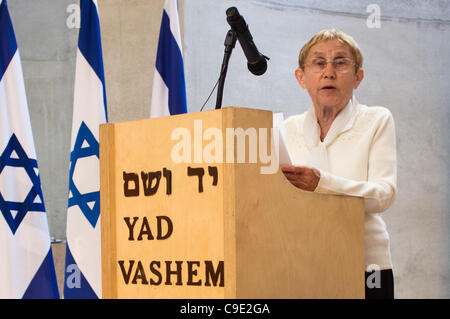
(43,285)
(75,284)
(89,41)
(8,44)
(169,63)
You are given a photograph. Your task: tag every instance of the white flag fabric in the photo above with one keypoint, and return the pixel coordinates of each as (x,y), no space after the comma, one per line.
(26,260)
(83,250)
(169,89)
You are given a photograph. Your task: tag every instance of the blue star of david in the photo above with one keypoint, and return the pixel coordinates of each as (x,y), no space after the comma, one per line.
(78,152)
(28,205)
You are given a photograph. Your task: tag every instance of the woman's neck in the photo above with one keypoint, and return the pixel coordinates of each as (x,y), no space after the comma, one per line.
(325,117)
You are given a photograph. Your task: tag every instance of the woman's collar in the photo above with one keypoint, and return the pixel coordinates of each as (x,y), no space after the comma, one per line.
(343,122)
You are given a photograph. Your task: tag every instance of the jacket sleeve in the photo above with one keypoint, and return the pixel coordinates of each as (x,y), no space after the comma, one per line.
(380,189)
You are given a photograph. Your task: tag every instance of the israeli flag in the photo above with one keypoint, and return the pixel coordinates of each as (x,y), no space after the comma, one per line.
(26,260)
(83,251)
(169,89)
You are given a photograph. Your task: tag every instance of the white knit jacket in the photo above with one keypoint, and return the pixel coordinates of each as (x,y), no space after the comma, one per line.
(357,158)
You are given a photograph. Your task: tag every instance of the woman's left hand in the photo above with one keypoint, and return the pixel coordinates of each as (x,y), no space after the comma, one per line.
(303,177)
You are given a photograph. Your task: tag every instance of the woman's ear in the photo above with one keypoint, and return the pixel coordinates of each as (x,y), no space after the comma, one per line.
(358,78)
(300,76)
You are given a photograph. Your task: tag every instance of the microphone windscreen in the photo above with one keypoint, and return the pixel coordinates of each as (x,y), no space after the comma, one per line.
(258,68)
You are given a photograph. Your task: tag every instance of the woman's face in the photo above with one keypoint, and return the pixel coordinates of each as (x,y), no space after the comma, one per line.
(329,87)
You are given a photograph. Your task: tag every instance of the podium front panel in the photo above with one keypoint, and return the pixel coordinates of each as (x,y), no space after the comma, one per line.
(182,218)
(163,220)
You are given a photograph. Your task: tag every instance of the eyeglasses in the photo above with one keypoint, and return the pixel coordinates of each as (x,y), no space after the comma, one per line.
(340,64)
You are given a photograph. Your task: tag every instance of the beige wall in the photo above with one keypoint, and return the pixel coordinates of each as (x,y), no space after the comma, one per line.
(130,32)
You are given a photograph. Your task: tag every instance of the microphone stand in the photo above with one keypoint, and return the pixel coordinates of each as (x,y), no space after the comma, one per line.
(230,41)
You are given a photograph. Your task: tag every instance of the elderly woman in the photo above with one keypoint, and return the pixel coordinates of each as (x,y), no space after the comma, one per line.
(339,146)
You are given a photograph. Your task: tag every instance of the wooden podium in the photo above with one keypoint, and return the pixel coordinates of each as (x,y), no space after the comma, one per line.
(184,216)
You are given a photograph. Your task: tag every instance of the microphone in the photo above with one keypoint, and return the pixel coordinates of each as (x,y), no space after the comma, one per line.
(256,62)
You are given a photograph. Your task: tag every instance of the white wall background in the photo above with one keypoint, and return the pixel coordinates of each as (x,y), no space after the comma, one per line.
(406,63)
